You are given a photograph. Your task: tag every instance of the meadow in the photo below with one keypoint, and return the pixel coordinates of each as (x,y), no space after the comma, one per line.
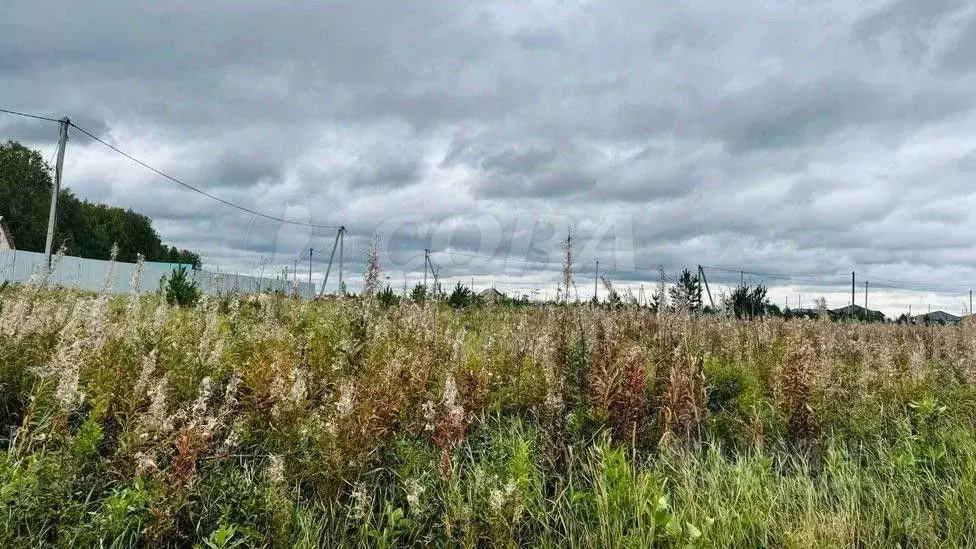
(269,421)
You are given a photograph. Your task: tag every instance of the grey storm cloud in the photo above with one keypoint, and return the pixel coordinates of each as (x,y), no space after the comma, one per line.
(781,137)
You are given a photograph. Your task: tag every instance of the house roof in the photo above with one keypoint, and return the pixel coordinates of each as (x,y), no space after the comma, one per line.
(489,292)
(938,316)
(858,310)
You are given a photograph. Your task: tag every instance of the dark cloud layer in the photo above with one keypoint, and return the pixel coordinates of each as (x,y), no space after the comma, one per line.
(778,137)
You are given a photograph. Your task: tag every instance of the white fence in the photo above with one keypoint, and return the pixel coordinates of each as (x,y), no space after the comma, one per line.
(89,274)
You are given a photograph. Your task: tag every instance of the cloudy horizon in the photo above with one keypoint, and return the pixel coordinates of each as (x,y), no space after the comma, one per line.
(810,138)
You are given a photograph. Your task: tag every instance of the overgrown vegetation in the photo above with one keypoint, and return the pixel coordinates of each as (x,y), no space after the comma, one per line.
(270,421)
(180,290)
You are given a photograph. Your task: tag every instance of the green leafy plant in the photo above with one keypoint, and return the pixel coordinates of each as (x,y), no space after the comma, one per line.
(461,297)
(418,294)
(180,290)
(388,298)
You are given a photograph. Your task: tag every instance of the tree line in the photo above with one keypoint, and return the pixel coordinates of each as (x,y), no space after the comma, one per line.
(87,229)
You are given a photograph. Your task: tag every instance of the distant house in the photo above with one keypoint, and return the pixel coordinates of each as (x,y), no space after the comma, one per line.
(6,237)
(491,295)
(805,313)
(936,317)
(860,313)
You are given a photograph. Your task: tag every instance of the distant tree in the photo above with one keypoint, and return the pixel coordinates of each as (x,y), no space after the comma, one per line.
(820,306)
(659,298)
(461,297)
(387,297)
(25,194)
(686,293)
(613,297)
(748,301)
(87,229)
(418,294)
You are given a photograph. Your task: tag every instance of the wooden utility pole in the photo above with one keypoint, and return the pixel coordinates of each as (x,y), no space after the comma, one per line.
(342,241)
(701,274)
(426,260)
(55,191)
(312,288)
(852,295)
(328,269)
(596,279)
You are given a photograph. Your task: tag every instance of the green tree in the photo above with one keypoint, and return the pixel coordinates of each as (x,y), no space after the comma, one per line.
(461,297)
(180,290)
(419,293)
(25,194)
(748,301)
(686,294)
(87,229)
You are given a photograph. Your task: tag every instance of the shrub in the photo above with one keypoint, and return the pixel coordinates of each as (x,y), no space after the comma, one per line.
(180,290)
(419,293)
(461,297)
(387,298)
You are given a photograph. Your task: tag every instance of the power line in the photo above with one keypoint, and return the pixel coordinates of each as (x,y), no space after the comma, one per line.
(26,115)
(508,259)
(943,285)
(198,190)
(774,275)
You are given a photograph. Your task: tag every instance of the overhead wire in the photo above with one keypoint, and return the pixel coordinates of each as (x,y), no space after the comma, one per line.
(170,177)
(27,115)
(198,190)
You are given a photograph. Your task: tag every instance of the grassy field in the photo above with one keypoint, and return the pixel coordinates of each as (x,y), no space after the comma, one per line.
(275,422)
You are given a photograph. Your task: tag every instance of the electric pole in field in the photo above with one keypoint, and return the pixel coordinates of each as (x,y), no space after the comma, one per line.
(55,191)
(310,250)
(328,269)
(342,241)
(852,296)
(426,260)
(596,278)
(701,274)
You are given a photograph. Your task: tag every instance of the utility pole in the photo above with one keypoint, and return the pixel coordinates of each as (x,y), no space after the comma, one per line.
(310,250)
(328,269)
(866,296)
(701,273)
(852,296)
(596,278)
(426,260)
(342,241)
(742,278)
(55,191)
(294,273)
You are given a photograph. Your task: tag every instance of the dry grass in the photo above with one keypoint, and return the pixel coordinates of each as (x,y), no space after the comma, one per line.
(275,422)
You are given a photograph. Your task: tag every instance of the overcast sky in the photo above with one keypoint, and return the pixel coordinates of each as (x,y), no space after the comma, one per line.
(786,137)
